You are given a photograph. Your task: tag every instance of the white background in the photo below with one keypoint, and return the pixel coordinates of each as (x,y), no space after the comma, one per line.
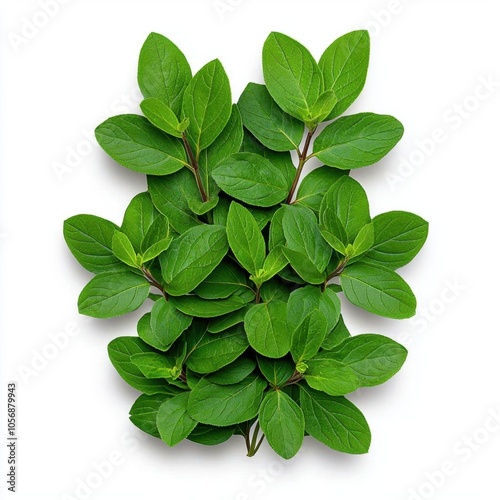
(62,79)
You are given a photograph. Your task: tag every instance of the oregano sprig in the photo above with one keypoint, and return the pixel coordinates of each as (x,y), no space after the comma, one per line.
(238,261)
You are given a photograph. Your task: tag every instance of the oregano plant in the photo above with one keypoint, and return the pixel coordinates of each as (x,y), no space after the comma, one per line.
(238,259)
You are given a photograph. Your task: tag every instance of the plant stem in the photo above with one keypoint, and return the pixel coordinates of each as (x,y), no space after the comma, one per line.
(152,280)
(247,438)
(302,161)
(257,294)
(254,445)
(194,168)
(258,444)
(334,274)
(296,377)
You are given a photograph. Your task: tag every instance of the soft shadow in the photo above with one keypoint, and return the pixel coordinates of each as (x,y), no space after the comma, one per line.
(122,177)
(374,173)
(187,451)
(359,317)
(375,395)
(314,450)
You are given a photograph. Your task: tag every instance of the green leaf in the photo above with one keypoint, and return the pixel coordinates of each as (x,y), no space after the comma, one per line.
(147,334)
(292,76)
(265,325)
(155,250)
(262,215)
(345,203)
(315,184)
(399,236)
(202,207)
(139,146)
(344,65)
(276,232)
(290,275)
(195,334)
(192,378)
(302,235)
(335,422)
(154,365)
(308,336)
(201,308)
(304,267)
(363,241)
(168,323)
(274,289)
(282,422)
(310,315)
(357,141)
(209,435)
(274,263)
(223,405)
(192,257)
(113,294)
(293,391)
(144,410)
(334,234)
(228,143)
(226,279)
(246,294)
(222,323)
(322,108)
(163,72)
(334,287)
(168,197)
(301,303)
(252,179)
(302,270)
(329,305)
(139,217)
(374,358)
(173,422)
(120,352)
(281,160)
(336,336)
(245,239)
(187,197)
(161,116)
(233,373)
(89,239)
(378,290)
(215,351)
(207,105)
(180,351)
(330,375)
(276,371)
(220,212)
(124,250)
(267,121)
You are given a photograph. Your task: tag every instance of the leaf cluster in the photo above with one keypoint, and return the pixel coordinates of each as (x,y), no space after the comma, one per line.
(241,258)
